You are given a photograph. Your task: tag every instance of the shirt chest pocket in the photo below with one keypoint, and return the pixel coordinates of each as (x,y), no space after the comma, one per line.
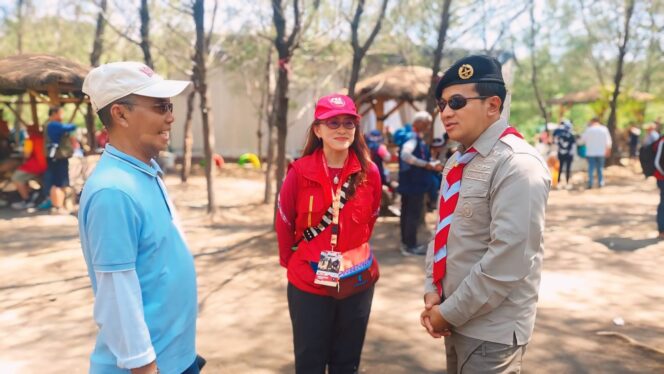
(310,205)
(472,210)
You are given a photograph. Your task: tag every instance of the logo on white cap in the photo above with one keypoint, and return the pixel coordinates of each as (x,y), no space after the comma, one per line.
(337,101)
(147,71)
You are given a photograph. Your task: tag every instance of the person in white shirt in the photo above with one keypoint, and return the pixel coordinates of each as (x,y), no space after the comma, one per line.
(652,135)
(598,146)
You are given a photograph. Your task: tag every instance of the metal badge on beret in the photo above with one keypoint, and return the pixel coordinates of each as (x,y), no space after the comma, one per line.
(466,71)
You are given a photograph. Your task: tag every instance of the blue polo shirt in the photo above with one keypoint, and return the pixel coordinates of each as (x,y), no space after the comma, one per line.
(126,222)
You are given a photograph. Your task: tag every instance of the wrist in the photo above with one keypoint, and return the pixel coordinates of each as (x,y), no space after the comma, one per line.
(150,368)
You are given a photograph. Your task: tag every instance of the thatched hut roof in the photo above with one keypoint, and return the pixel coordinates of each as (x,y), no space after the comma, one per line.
(596,93)
(409,83)
(24,72)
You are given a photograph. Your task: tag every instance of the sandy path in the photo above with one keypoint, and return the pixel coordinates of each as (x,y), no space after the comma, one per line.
(600,264)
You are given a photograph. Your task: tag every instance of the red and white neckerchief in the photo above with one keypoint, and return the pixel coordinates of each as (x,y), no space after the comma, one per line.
(449,196)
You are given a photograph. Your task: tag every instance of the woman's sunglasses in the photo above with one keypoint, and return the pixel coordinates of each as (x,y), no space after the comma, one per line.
(456,102)
(335,124)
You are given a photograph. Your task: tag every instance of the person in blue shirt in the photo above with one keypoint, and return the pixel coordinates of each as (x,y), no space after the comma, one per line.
(58,147)
(140,267)
(415,181)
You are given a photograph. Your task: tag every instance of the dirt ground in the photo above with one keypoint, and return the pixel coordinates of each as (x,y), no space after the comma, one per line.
(601,266)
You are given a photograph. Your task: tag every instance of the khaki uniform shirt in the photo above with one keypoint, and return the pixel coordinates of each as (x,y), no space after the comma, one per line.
(495,246)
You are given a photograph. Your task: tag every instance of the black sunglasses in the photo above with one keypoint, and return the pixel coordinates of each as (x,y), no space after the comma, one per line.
(335,124)
(161,107)
(456,102)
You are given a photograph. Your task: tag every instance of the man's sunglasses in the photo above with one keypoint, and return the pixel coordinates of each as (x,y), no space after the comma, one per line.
(457,102)
(161,107)
(335,124)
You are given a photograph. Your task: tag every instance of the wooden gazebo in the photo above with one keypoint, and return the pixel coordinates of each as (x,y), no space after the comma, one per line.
(592,95)
(46,79)
(405,84)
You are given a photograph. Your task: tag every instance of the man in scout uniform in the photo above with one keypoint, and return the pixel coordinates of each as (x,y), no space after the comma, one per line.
(483,266)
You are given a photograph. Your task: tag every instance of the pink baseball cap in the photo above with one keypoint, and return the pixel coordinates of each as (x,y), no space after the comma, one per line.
(335,105)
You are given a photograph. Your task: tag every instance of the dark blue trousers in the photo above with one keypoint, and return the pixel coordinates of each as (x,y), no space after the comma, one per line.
(660,207)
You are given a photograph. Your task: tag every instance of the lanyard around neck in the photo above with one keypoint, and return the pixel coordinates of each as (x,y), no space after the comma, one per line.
(336,206)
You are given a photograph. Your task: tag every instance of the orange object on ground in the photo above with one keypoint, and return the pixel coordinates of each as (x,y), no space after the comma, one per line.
(218,160)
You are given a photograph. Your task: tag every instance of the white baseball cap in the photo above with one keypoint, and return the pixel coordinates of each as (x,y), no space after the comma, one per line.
(109,82)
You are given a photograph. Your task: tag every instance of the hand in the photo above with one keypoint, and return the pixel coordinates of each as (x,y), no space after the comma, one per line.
(150,368)
(425,321)
(431,301)
(438,322)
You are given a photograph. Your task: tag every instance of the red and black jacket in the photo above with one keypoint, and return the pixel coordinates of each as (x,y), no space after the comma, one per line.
(303,200)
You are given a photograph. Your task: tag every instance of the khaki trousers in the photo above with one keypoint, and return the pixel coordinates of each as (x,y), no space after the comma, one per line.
(466,355)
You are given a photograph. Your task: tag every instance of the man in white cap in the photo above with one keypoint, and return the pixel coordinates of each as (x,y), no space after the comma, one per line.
(140,267)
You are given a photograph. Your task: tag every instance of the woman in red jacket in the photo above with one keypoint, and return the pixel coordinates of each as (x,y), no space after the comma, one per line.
(331,269)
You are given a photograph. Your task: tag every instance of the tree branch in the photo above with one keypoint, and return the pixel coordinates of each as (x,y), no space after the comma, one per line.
(505,26)
(208,38)
(178,9)
(355,25)
(592,39)
(376,28)
(183,38)
(309,21)
(118,31)
(293,39)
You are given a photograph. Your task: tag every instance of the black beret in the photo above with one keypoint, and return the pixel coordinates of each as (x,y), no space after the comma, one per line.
(471,69)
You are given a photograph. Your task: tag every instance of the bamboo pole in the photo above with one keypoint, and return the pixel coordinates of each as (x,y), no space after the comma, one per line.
(379,109)
(33,109)
(78,105)
(384,117)
(18,116)
(53,95)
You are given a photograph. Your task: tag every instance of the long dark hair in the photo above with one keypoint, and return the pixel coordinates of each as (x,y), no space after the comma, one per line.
(358,146)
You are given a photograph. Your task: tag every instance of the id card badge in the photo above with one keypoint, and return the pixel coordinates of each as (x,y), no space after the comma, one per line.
(329,267)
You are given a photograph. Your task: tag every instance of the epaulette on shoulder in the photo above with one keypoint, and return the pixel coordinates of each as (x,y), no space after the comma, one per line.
(517,144)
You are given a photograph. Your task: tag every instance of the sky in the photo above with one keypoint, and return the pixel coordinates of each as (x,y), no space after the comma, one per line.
(237,15)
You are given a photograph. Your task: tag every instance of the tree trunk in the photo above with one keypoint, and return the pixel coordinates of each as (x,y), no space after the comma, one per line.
(354,74)
(265,99)
(95,57)
(281,123)
(97,45)
(279,117)
(267,198)
(19,31)
(438,55)
(90,126)
(533,57)
(19,49)
(206,114)
(285,45)
(359,51)
(188,142)
(269,159)
(614,159)
(653,55)
(145,33)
